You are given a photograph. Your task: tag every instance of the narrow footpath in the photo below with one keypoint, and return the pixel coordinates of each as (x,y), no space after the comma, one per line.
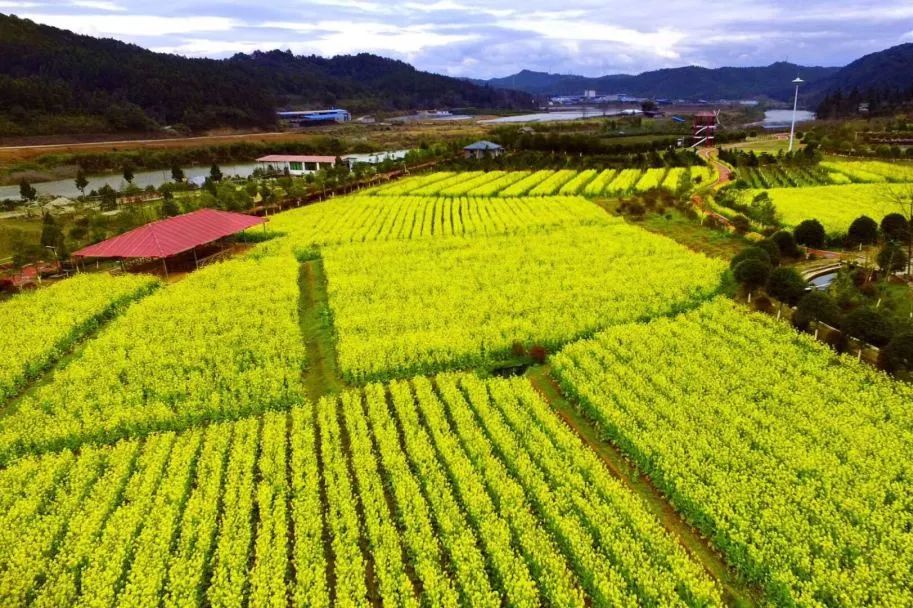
(735,592)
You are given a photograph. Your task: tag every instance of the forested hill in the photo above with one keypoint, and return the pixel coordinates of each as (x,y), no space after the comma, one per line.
(55,81)
(883,81)
(690,82)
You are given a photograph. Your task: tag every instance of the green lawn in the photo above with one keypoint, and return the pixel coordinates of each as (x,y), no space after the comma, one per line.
(10,228)
(763,144)
(691,234)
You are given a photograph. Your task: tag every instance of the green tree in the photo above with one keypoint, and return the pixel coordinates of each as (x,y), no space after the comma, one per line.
(816,306)
(752,273)
(27,191)
(810,233)
(177,174)
(50,231)
(128,173)
(785,243)
(215,173)
(108,198)
(762,210)
(869,325)
(786,285)
(81,181)
(891,258)
(170,207)
(898,354)
(895,227)
(750,253)
(773,251)
(863,230)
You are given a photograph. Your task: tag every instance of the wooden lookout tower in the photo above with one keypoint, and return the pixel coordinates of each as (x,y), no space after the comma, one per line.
(703,129)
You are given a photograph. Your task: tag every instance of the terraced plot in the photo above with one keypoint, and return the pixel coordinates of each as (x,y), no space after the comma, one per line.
(414,307)
(790,458)
(457,492)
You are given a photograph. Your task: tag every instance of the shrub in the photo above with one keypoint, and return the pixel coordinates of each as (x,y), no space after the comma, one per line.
(891,258)
(863,230)
(785,243)
(898,354)
(752,273)
(741,223)
(538,353)
(786,285)
(816,306)
(869,325)
(750,253)
(895,227)
(810,233)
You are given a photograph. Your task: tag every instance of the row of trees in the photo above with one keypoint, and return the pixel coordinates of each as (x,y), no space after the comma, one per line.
(759,267)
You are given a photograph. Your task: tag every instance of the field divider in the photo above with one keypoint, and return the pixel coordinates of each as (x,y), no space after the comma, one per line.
(72,345)
(735,591)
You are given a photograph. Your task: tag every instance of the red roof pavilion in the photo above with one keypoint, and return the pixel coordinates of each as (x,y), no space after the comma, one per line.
(171,236)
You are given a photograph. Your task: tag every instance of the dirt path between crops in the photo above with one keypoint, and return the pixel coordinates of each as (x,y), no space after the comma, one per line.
(735,593)
(73,352)
(321,376)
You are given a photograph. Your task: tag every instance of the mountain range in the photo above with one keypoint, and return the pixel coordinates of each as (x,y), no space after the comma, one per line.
(55,81)
(888,69)
(689,82)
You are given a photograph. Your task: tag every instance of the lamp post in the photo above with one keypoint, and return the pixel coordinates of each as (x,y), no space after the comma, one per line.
(792,128)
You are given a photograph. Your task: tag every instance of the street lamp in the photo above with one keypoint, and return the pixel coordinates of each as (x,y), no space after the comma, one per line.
(792,128)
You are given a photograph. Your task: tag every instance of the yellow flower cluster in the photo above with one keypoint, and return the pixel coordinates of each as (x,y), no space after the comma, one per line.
(458,492)
(794,460)
(36,328)
(221,343)
(413,307)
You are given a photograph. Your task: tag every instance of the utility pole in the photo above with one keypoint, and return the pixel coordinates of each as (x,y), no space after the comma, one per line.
(792,128)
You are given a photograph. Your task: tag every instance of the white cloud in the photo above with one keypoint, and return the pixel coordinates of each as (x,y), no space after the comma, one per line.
(131,26)
(100,5)
(17,5)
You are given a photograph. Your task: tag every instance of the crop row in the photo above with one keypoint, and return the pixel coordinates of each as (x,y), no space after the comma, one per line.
(375,218)
(36,328)
(223,342)
(462,492)
(542,183)
(399,187)
(792,460)
(872,171)
(834,206)
(414,307)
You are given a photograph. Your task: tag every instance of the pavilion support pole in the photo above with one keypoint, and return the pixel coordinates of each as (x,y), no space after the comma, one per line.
(196,263)
(165,266)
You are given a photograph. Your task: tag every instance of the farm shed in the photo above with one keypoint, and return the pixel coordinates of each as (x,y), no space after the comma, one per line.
(294,164)
(482,149)
(172,237)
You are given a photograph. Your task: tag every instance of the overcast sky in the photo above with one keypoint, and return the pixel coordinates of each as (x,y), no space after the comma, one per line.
(500,37)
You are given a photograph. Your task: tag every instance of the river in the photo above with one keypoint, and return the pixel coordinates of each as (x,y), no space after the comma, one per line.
(67,187)
(777,119)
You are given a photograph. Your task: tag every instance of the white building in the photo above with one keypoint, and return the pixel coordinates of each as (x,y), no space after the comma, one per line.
(295,164)
(589,94)
(374,158)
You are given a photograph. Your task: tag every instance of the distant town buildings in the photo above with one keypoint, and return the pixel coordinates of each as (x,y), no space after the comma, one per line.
(303,118)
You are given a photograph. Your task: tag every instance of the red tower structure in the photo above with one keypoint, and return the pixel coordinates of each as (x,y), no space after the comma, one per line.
(703,129)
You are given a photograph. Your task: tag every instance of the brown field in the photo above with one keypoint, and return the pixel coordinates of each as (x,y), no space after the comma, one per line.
(23,150)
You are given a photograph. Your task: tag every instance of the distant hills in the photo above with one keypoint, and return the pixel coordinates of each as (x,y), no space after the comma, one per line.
(55,81)
(690,82)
